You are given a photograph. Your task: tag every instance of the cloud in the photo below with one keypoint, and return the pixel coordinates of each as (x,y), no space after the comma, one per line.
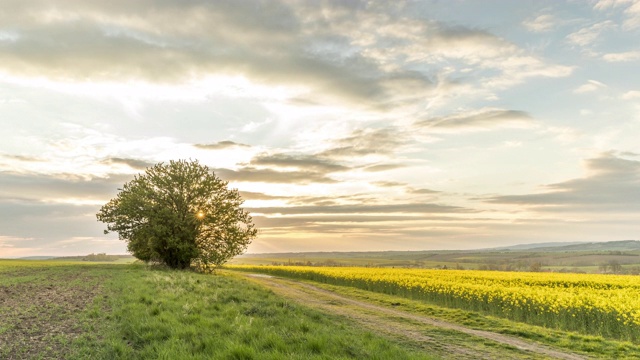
(300,161)
(541,23)
(622,56)
(590,86)
(221,145)
(634,94)
(40,228)
(422,191)
(21,158)
(630,9)
(10,241)
(587,36)
(363,209)
(132,163)
(251,174)
(388,183)
(383,167)
(81,41)
(612,184)
(360,53)
(482,119)
(363,142)
(251,195)
(60,188)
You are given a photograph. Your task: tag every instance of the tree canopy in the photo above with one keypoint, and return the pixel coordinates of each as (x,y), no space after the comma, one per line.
(179,214)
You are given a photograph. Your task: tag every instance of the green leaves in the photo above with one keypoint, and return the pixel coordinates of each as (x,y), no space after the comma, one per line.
(180,214)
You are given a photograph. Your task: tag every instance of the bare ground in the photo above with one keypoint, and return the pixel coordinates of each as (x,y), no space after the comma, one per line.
(443,339)
(39,320)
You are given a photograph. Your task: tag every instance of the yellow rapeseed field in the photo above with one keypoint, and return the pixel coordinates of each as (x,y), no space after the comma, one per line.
(607,305)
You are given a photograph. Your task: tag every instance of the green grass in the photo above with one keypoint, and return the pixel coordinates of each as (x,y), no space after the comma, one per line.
(107,311)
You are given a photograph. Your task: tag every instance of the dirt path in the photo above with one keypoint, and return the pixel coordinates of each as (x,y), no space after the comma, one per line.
(435,335)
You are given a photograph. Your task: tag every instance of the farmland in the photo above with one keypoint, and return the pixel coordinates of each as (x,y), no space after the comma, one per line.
(65,310)
(605,257)
(76,310)
(604,305)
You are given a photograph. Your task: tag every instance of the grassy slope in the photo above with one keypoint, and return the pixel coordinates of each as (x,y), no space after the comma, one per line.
(102,311)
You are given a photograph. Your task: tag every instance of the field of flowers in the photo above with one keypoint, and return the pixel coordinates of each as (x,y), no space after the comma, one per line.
(606,305)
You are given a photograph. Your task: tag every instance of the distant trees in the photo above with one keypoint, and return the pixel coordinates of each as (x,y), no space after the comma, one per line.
(100,257)
(611,266)
(179,214)
(535,266)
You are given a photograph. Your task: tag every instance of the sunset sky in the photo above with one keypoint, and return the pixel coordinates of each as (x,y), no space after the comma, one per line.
(346,125)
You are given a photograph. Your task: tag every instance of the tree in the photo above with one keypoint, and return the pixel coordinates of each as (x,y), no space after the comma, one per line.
(535,266)
(179,214)
(615,266)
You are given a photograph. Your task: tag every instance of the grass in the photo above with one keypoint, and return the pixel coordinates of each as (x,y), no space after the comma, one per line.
(67,310)
(53,309)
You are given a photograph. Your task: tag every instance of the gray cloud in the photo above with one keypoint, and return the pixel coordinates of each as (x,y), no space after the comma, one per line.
(220,145)
(53,229)
(330,200)
(295,221)
(421,191)
(270,42)
(613,184)
(388,183)
(383,167)
(483,119)
(132,163)
(363,209)
(251,195)
(363,142)
(21,158)
(359,52)
(304,162)
(46,187)
(271,176)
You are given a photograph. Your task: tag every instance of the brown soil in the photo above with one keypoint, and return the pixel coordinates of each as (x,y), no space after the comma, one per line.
(38,320)
(425,331)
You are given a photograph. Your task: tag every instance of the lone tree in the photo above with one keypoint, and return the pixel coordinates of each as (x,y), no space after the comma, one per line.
(179,214)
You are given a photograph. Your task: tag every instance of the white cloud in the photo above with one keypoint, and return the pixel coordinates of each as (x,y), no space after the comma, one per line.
(634,94)
(478,120)
(563,134)
(589,35)
(351,53)
(608,4)
(590,86)
(633,16)
(612,184)
(630,9)
(541,23)
(622,56)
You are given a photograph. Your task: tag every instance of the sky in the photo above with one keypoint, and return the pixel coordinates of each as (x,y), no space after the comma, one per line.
(345,125)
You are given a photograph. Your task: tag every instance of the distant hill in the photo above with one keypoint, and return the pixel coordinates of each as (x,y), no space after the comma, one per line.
(36,258)
(623,245)
(536,246)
